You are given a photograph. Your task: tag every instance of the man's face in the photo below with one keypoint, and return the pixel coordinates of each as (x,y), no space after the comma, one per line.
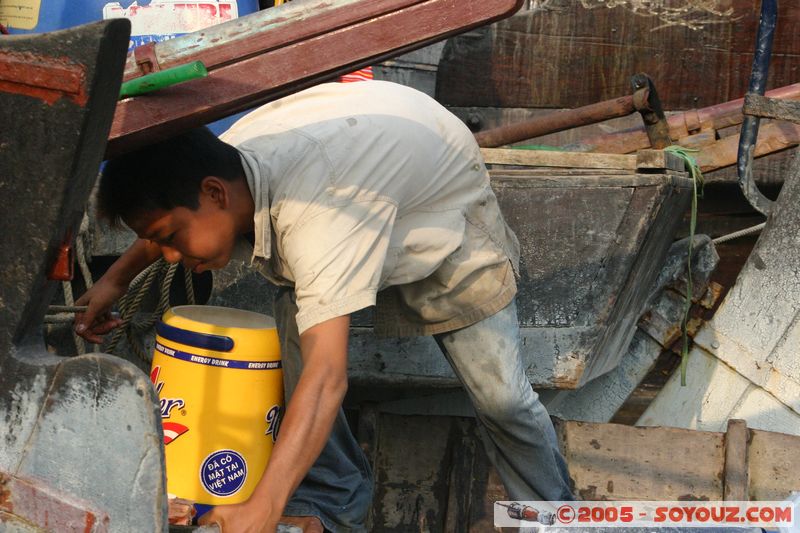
(201,239)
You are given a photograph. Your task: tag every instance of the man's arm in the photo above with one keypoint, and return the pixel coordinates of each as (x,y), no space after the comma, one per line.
(110,287)
(304,430)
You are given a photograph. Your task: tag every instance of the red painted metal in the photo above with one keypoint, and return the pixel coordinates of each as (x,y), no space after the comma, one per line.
(44,77)
(145,58)
(62,268)
(301,52)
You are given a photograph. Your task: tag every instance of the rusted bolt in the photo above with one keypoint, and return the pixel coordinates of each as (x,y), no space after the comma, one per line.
(474,122)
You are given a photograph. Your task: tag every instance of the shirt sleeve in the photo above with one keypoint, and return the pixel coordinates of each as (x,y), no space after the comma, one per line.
(337,259)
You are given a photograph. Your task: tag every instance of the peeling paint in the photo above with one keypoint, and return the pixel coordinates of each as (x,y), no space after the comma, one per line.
(47,78)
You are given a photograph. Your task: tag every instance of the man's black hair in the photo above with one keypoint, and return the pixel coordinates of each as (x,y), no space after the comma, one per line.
(165,175)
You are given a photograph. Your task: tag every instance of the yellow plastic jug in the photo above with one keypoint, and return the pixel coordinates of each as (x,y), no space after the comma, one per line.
(218,375)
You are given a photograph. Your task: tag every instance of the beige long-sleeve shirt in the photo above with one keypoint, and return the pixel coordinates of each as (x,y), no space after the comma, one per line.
(374,194)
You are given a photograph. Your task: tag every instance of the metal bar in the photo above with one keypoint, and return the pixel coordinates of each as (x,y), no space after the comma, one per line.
(555,122)
(644,99)
(681,125)
(761,106)
(648,104)
(758,83)
(292,64)
(54,119)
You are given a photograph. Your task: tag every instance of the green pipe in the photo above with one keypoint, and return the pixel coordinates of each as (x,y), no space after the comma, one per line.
(163,78)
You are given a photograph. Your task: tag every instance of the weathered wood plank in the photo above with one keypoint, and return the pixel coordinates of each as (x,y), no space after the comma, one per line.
(543,158)
(713,394)
(669,206)
(772,137)
(773,465)
(284,63)
(599,175)
(597,51)
(767,170)
(744,363)
(432,475)
(659,160)
(417,361)
(764,411)
(615,462)
(784,357)
(567,181)
(600,399)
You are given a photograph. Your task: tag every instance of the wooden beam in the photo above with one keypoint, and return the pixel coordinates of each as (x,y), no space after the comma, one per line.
(541,158)
(772,137)
(280,64)
(762,106)
(659,160)
(645,159)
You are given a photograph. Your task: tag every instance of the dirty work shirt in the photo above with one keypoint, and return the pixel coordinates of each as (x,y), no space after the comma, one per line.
(368,187)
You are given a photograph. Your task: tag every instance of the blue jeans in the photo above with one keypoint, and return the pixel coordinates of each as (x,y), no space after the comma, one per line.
(516,430)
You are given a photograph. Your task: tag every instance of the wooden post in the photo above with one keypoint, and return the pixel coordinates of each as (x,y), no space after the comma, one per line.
(736,478)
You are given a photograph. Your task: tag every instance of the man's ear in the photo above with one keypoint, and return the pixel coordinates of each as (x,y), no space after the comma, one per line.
(216,190)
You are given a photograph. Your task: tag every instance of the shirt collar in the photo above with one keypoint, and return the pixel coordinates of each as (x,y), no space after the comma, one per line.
(259,190)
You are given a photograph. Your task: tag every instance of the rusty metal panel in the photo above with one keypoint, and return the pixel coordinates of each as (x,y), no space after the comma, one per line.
(287,54)
(67,422)
(44,162)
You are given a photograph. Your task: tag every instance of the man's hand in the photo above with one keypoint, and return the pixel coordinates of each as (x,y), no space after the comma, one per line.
(246,517)
(305,428)
(239,518)
(97,319)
